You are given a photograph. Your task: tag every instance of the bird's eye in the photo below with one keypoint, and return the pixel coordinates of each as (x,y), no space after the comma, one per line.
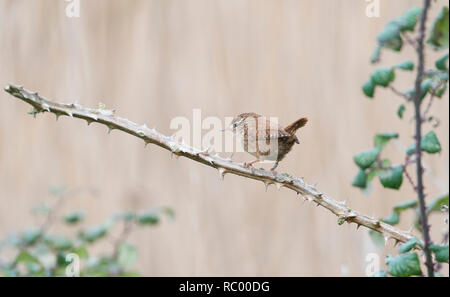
(234,125)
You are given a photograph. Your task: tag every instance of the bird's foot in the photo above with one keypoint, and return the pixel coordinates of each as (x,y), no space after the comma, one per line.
(250,164)
(273,168)
(247,165)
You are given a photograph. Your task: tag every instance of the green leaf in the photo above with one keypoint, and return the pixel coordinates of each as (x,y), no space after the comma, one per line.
(375,57)
(26,257)
(440,252)
(426,85)
(441,63)
(383,76)
(366,158)
(406,65)
(392,219)
(430,143)
(30,236)
(440,90)
(380,273)
(404,265)
(390,31)
(401,110)
(409,19)
(405,205)
(382,139)
(369,88)
(130,274)
(423,89)
(434,85)
(93,233)
(127,255)
(148,218)
(411,149)
(439,31)
(435,205)
(128,216)
(443,76)
(385,163)
(372,173)
(74,217)
(390,37)
(103,266)
(392,178)
(409,245)
(360,180)
(377,238)
(81,251)
(59,242)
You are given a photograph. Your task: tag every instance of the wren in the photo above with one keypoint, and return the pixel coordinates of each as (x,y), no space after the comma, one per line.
(263,138)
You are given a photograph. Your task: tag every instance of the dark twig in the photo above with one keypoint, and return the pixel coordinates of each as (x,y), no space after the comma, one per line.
(408,39)
(408,177)
(418,120)
(430,102)
(401,94)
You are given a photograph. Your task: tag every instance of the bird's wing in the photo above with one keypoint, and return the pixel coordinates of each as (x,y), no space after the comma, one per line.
(264,129)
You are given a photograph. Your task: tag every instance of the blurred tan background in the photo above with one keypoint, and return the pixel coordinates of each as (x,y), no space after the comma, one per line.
(155,60)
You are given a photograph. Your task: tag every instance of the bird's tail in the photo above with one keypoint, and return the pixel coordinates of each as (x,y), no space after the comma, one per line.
(292,128)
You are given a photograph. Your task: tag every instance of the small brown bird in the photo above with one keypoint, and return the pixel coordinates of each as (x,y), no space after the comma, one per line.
(265,139)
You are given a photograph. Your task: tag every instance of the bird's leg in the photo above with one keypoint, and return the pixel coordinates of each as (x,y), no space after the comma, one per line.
(246,165)
(273,167)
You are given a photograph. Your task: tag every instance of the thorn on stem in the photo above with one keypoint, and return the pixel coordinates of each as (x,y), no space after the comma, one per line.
(266,185)
(222,172)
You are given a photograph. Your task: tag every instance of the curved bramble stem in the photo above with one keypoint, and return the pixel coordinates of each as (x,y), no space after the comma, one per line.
(224,166)
(418,128)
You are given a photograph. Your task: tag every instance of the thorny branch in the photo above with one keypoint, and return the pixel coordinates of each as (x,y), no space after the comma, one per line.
(418,119)
(224,166)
